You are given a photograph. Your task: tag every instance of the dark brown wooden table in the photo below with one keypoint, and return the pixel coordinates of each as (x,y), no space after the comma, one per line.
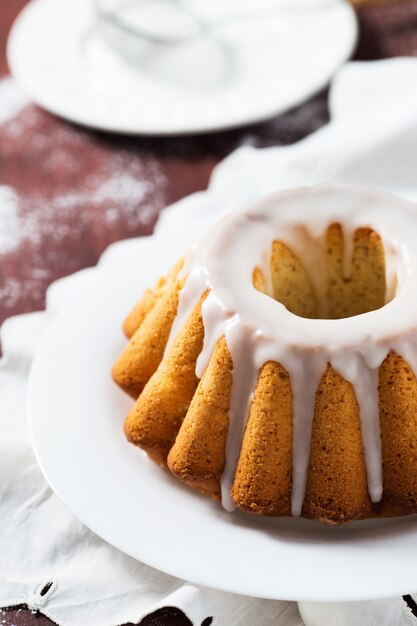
(69,212)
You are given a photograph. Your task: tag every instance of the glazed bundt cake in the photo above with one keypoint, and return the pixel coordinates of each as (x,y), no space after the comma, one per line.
(274,367)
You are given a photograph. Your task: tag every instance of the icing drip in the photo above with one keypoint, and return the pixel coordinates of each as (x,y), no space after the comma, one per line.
(364,378)
(305,377)
(244,380)
(258,329)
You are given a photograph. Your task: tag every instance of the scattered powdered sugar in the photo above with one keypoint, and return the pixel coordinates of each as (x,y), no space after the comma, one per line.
(12,99)
(10,293)
(118,196)
(122,187)
(64,175)
(66,193)
(10,234)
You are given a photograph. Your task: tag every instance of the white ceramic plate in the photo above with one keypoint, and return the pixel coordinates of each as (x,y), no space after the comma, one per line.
(252,71)
(76,418)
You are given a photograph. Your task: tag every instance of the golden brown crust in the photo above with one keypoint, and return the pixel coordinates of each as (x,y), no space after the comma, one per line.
(290,283)
(198,454)
(148,300)
(337,487)
(142,355)
(364,289)
(142,308)
(262,482)
(258,280)
(398,419)
(154,421)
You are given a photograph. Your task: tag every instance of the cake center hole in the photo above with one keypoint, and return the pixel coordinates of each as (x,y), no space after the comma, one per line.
(335,277)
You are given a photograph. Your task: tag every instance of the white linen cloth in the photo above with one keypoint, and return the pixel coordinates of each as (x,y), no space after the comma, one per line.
(371,140)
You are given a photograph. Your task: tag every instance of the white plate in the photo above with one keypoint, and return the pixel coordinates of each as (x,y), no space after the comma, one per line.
(263,67)
(76,418)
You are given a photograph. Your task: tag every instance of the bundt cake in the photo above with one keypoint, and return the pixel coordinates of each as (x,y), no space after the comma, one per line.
(274,367)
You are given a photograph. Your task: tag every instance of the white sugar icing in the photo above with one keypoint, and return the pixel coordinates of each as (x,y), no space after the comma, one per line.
(259,329)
